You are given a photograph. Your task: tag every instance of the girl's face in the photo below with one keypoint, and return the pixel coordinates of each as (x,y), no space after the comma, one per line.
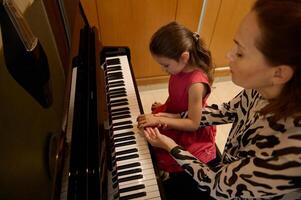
(248,66)
(171,66)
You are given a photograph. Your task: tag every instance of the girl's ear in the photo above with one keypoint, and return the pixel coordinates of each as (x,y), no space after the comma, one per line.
(185,57)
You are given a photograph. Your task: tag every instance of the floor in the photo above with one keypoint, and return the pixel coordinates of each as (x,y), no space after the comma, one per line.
(222,90)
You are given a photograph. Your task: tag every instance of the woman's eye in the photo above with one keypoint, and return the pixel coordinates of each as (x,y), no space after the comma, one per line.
(239,55)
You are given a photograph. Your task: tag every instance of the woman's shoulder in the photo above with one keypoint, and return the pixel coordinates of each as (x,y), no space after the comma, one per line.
(249,95)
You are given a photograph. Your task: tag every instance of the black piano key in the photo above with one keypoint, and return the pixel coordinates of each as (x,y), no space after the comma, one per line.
(128,172)
(120,113)
(114,73)
(118,95)
(122,127)
(127,166)
(130,178)
(119,109)
(127,157)
(128,151)
(124,139)
(116,89)
(121,90)
(114,172)
(114,68)
(123,123)
(132,188)
(116,195)
(125,143)
(124,134)
(115,84)
(113,61)
(119,104)
(114,178)
(113,158)
(114,162)
(119,100)
(115,185)
(114,76)
(133,196)
(116,92)
(121,117)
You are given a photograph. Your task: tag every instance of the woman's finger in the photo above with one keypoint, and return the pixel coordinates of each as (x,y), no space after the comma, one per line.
(151,133)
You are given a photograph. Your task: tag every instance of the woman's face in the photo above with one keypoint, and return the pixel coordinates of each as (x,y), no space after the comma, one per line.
(248,66)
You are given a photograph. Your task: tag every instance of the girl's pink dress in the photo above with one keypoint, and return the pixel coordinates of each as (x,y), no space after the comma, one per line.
(200,143)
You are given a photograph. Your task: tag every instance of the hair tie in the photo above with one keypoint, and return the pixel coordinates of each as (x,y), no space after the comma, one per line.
(196,36)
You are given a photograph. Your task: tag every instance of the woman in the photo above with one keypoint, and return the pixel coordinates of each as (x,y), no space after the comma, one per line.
(262,156)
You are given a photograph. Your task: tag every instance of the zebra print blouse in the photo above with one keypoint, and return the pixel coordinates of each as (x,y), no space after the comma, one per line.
(261,160)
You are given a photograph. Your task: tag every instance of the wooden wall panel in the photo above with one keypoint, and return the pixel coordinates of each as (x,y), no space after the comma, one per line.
(131,23)
(209,20)
(230,14)
(188,13)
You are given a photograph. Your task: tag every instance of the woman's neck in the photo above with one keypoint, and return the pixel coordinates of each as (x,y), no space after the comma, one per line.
(271,92)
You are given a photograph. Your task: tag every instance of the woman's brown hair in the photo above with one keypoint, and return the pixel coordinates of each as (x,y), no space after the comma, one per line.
(173,39)
(280,43)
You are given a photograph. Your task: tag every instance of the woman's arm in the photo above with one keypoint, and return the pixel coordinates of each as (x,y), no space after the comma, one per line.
(246,178)
(243,177)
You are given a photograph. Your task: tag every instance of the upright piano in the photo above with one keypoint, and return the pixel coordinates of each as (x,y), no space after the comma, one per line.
(102,155)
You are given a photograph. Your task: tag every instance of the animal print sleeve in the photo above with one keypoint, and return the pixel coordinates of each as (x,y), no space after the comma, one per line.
(220,114)
(245,178)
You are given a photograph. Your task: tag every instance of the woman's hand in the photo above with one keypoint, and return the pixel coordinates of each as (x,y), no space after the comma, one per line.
(156,139)
(148,120)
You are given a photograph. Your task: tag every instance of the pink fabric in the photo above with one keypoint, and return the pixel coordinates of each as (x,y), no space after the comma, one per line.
(200,143)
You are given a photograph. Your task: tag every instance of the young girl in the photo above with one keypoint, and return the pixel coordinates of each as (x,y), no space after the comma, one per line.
(180,52)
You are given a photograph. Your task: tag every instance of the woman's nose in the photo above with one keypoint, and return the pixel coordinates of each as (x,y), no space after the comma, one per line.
(230,56)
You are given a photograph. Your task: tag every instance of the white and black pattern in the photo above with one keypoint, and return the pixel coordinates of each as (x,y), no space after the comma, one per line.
(261,160)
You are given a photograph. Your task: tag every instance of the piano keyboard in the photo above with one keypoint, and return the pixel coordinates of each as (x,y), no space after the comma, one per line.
(133,175)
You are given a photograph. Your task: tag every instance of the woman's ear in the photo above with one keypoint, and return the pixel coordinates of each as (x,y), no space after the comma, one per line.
(282,74)
(185,57)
